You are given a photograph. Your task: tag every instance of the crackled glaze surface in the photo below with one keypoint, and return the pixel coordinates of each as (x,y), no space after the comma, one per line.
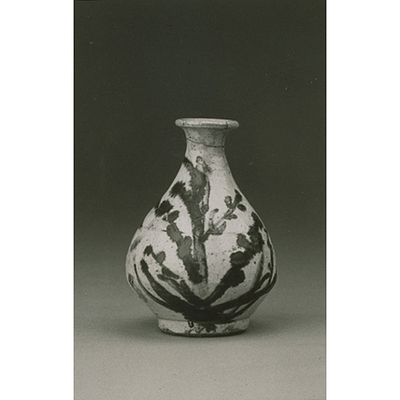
(202,258)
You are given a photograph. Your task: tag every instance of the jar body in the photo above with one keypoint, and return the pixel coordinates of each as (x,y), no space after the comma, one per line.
(202,258)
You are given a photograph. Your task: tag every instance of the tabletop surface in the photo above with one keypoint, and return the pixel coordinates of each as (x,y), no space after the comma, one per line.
(121,354)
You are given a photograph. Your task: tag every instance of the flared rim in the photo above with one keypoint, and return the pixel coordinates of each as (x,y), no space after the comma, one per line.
(215,123)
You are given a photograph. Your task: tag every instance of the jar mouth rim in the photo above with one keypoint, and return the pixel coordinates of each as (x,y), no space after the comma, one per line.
(215,123)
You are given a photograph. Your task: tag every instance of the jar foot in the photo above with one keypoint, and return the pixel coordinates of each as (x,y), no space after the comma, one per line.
(202,329)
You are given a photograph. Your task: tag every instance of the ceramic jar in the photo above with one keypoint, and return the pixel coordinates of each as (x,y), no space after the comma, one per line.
(202,259)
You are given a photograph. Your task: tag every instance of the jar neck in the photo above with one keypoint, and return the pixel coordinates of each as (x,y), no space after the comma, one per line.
(206,136)
(205,140)
(213,157)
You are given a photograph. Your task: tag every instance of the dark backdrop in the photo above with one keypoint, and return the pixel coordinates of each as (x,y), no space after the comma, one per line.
(139,65)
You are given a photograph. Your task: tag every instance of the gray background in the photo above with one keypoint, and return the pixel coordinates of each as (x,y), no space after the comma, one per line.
(139,65)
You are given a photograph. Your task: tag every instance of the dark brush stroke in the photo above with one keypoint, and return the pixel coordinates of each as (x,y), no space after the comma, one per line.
(163,293)
(249,296)
(256,297)
(163,208)
(271,249)
(229,214)
(238,198)
(168,300)
(135,244)
(242,207)
(196,203)
(240,259)
(184,244)
(159,259)
(183,289)
(204,314)
(136,289)
(154,298)
(171,278)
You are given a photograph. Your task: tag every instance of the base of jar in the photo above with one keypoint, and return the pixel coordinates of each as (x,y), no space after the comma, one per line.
(202,329)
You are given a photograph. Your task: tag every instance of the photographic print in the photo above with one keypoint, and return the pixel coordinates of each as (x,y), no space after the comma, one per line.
(200,171)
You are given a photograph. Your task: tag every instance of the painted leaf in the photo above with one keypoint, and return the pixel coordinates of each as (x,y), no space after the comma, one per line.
(160,257)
